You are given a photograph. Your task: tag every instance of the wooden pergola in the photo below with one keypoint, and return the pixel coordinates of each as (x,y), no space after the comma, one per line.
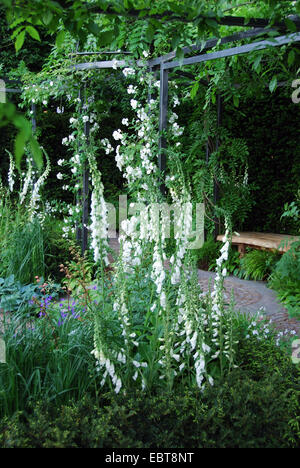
(162,65)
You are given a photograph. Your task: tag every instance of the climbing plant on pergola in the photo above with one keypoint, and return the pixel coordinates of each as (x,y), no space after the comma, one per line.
(164,64)
(169,62)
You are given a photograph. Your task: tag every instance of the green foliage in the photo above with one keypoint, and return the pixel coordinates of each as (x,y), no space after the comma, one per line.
(218,173)
(292,212)
(16,297)
(258,264)
(207,254)
(273,168)
(285,279)
(49,356)
(24,254)
(29,248)
(233,263)
(232,176)
(56,247)
(9,114)
(256,406)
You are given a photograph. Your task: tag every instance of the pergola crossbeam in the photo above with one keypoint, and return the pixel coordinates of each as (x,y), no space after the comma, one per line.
(210,43)
(259,45)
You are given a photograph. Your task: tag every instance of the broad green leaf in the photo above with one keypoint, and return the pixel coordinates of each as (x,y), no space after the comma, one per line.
(212,24)
(150,31)
(256,63)
(175,42)
(16,22)
(194,89)
(36,152)
(21,123)
(33,33)
(60,38)
(236,101)
(47,17)
(17,31)
(105,38)
(93,28)
(20,146)
(291,57)
(179,54)
(20,40)
(273,84)
(290,25)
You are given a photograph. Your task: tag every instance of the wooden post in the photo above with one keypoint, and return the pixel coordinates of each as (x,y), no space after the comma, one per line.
(216,188)
(79,195)
(85,197)
(33,127)
(33,118)
(85,194)
(163,123)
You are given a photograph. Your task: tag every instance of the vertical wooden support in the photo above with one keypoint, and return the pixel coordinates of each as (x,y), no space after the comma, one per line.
(33,127)
(163,123)
(78,197)
(85,195)
(216,188)
(33,118)
(149,89)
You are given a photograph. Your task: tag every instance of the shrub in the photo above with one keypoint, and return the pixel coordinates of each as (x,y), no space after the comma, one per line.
(255,406)
(285,279)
